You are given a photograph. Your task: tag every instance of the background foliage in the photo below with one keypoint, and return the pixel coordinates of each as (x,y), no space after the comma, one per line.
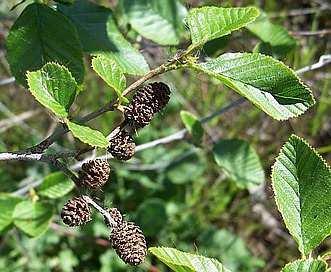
(176,192)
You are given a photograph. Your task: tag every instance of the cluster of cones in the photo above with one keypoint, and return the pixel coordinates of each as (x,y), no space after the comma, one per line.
(126,237)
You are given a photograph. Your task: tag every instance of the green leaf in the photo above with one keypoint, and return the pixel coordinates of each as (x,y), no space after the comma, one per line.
(301,181)
(185,262)
(275,36)
(152,216)
(193,126)
(209,23)
(309,265)
(240,162)
(87,135)
(54,87)
(266,82)
(185,169)
(108,70)
(41,35)
(153,17)
(99,35)
(230,249)
(55,185)
(33,218)
(7,204)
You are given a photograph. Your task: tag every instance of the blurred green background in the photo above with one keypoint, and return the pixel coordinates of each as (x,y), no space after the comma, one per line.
(175,191)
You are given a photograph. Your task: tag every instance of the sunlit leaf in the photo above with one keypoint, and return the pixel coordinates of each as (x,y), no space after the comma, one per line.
(54,87)
(266,82)
(87,135)
(301,181)
(55,185)
(193,126)
(309,265)
(185,262)
(208,23)
(111,74)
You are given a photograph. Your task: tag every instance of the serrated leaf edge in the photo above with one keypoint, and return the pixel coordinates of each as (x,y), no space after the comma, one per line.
(78,87)
(117,91)
(230,82)
(151,249)
(197,10)
(294,137)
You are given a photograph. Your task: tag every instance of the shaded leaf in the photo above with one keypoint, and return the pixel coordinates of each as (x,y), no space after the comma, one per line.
(33,218)
(193,126)
(41,35)
(54,87)
(185,169)
(65,2)
(266,82)
(230,249)
(240,162)
(209,23)
(99,35)
(7,204)
(276,41)
(185,262)
(146,219)
(153,17)
(55,185)
(301,182)
(108,70)
(87,135)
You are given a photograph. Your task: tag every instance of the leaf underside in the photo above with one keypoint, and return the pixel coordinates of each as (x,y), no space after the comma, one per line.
(266,82)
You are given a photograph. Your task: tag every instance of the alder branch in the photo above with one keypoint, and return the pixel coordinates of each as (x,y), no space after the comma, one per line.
(111,106)
(323,60)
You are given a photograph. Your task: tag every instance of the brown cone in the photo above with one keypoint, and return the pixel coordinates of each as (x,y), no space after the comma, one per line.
(94,174)
(115,214)
(129,243)
(122,146)
(156,95)
(76,212)
(138,115)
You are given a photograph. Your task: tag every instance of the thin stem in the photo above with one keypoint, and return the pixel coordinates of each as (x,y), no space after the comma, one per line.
(104,213)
